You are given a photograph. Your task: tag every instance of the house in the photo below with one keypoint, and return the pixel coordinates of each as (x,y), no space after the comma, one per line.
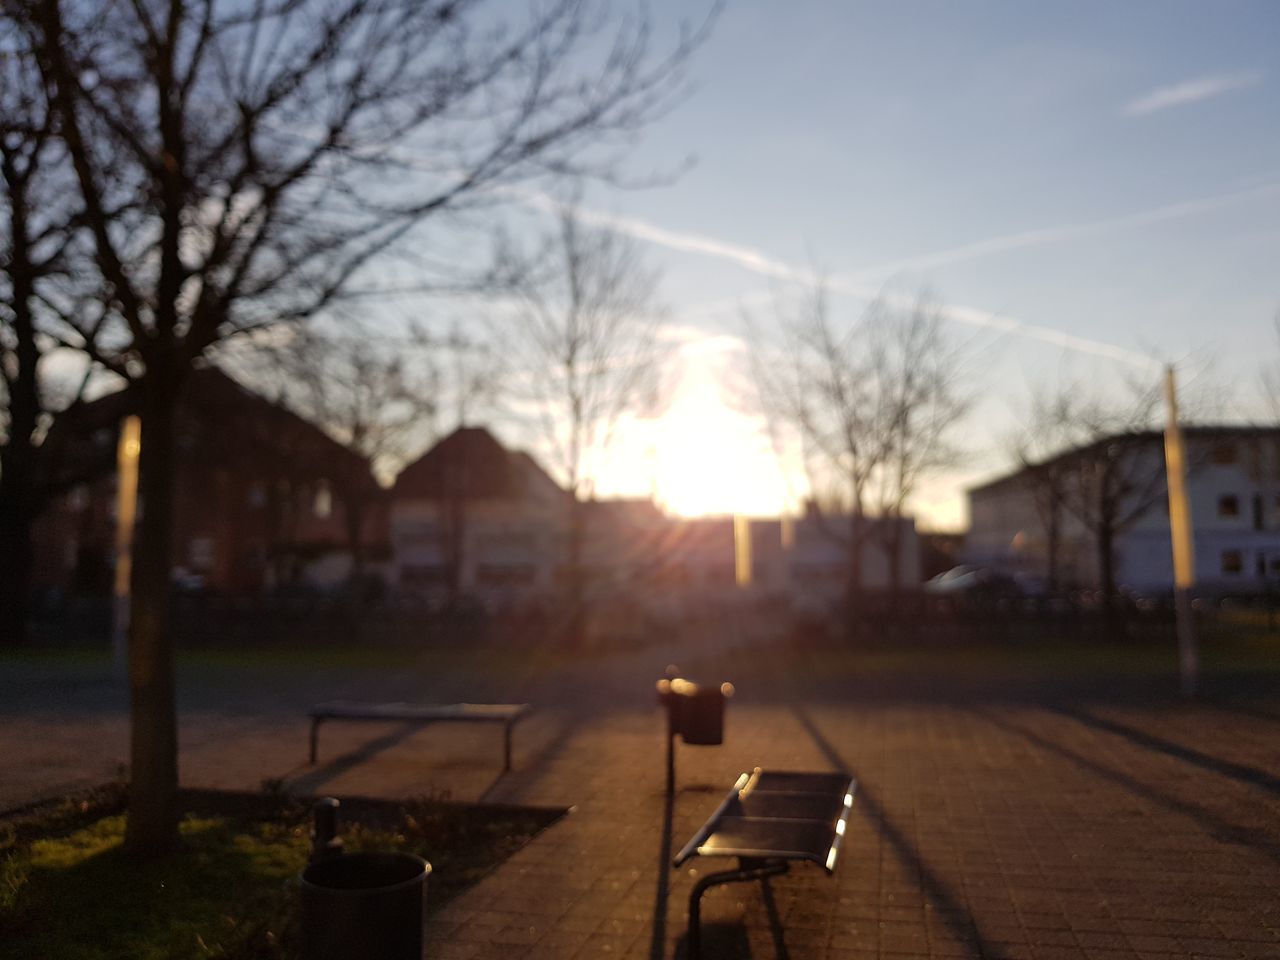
(1021,525)
(262,498)
(471,517)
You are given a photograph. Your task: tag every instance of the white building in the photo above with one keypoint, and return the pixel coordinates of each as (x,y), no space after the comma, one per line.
(1234,494)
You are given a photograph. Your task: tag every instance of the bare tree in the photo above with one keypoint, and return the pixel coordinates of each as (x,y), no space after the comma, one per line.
(1111,469)
(870,402)
(38,236)
(915,373)
(384,396)
(1045,475)
(238,163)
(590,326)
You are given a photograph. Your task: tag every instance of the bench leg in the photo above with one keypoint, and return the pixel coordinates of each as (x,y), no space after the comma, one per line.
(747,870)
(506,747)
(315,737)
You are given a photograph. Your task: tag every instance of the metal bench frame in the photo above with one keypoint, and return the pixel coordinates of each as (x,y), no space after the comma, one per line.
(760,862)
(507,714)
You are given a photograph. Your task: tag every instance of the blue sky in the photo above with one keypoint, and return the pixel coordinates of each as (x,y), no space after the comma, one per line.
(1107,170)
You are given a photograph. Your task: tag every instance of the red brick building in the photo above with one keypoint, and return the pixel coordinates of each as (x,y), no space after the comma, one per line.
(263,498)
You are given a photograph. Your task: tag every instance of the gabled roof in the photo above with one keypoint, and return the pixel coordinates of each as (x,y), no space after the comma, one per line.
(1137,438)
(471,462)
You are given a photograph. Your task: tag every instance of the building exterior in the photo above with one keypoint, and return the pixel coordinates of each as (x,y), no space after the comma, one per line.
(473,518)
(263,499)
(1233,489)
(476,519)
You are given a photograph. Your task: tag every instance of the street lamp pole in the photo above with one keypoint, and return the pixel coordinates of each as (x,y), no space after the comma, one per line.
(1184,572)
(127,451)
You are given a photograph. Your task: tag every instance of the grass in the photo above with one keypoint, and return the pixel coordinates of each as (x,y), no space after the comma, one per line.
(68,889)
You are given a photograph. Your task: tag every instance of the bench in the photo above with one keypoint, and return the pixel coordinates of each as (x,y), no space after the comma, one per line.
(768,820)
(506,714)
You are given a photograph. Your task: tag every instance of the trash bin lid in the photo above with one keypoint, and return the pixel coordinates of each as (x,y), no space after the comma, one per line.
(366,871)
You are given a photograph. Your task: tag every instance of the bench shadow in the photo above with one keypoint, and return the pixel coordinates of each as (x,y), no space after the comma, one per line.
(720,941)
(1243,773)
(528,770)
(1214,825)
(949,907)
(309,783)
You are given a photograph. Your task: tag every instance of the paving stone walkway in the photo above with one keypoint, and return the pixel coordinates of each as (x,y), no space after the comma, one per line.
(1058,829)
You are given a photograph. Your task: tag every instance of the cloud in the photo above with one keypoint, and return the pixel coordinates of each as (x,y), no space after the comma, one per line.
(1191,91)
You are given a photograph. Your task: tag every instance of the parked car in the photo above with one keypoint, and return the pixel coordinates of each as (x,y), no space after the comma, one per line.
(969,581)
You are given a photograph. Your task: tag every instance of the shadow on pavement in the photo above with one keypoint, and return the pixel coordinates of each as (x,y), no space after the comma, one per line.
(1227,768)
(310,783)
(720,941)
(1218,828)
(950,908)
(658,940)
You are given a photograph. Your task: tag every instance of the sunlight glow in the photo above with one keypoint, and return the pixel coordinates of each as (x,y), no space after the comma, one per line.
(713,460)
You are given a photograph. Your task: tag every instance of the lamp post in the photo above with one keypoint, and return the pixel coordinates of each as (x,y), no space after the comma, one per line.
(1184,572)
(127,451)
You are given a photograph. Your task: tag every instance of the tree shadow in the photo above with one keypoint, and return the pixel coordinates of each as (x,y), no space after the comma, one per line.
(948,905)
(1240,772)
(1218,828)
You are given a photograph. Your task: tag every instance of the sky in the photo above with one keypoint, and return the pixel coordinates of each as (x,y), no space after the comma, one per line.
(1090,189)
(1088,184)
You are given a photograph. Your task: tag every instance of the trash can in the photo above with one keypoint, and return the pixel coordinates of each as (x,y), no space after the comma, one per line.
(364,906)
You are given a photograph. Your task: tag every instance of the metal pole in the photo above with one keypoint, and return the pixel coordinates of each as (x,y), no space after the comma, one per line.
(127,451)
(1184,573)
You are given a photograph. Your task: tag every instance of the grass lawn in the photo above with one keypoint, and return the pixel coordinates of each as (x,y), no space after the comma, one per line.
(67,889)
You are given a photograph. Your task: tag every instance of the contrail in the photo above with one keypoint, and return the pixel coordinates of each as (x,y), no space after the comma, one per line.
(854,286)
(1070,231)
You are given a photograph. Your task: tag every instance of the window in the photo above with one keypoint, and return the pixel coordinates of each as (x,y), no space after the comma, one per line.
(1232,562)
(257,496)
(1228,505)
(1224,453)
(323,505)
(505,574)
(200,553)
(1258,520)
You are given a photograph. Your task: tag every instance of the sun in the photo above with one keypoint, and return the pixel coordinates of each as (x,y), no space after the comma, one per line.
(711,460)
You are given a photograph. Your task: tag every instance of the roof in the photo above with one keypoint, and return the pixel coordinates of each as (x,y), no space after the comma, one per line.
(471,461)
(1202,432)
(218,421)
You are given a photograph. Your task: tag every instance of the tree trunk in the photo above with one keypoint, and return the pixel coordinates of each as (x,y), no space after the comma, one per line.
(853,585)
(152,828)
(1052,537)
(577,582)
(18,494)
(1106,565)
(893,549)
(16,556)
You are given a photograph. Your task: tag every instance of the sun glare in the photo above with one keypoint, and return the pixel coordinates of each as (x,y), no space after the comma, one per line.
(712,460)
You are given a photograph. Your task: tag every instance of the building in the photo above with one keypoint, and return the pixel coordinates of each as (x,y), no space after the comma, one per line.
(1233,491)
(263,499)
(472,518)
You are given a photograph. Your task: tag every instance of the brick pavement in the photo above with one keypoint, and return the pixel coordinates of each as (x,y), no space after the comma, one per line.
(985,827)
